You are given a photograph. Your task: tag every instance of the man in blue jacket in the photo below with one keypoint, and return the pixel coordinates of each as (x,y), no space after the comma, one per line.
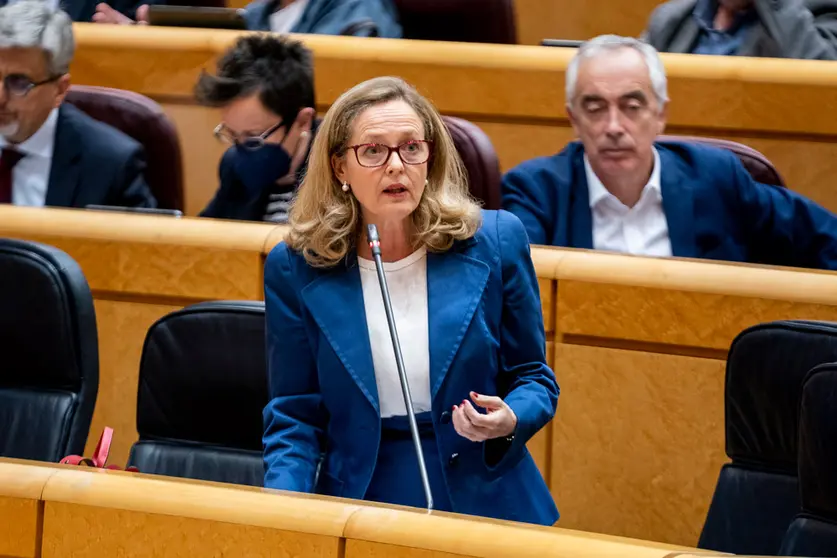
(621,190)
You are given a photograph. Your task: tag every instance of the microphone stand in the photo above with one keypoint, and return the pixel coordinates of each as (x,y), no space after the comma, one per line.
(375,245)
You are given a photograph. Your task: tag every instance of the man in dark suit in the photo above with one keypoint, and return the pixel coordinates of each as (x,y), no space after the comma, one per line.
(620,190)
(52,153)
(804,29)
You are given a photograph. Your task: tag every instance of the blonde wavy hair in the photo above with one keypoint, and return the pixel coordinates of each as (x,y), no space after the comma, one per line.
(325,221)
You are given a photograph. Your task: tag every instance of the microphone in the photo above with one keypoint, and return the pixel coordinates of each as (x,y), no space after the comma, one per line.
(375,245)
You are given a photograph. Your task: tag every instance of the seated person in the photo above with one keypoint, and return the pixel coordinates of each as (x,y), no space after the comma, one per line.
(52,153)
(359,18)
(805,29)
(265,89)
(620,190)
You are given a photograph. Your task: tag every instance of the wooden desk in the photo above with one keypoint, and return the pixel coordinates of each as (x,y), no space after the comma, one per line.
(140,268)
(515,93)
(638,346)
(568,19)
(86,512)
(640,349)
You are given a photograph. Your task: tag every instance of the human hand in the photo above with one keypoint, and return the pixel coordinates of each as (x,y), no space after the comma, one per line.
(106,14)
(499,420)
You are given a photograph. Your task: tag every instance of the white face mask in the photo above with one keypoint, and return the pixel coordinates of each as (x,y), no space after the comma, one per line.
(9,129)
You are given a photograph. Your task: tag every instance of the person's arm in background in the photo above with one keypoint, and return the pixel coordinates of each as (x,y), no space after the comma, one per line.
(360,18)
(133,190)
(799,32)
(124,12)
(783,227)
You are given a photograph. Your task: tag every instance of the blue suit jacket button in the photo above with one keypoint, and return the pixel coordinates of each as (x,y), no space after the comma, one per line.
(445,418)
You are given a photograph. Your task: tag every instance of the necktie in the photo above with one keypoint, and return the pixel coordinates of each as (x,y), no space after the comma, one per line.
(8,159)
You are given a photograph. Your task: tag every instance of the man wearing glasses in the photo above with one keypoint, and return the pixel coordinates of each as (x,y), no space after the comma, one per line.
(51,153)
(265,89)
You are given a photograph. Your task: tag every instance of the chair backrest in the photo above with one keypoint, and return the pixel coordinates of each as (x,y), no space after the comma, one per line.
(469,21)
(49,377)
(759,166)
(142,119)
(814,531)
(757,493)
(202,389)
(479,158)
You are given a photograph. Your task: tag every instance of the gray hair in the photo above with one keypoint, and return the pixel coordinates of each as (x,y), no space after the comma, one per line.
(38,24)
(608,43)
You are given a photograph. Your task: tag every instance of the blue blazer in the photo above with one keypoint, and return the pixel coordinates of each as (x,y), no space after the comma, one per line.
(714,208)
(486,335)
(359,18)
(95,164)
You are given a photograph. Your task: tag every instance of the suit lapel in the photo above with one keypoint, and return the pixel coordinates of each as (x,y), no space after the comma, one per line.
(678,205)
(335,300)
(455,283)
(66,164)
(685,38)
(581,217)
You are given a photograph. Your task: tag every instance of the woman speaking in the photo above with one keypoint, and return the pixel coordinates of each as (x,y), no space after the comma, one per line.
(466,307)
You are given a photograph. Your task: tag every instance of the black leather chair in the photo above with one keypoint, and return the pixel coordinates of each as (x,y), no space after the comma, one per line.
(202,389)
(757,493)
(814,531)
(49,375)
(479,159)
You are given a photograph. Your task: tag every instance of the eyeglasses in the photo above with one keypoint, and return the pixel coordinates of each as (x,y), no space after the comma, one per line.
(223,134)
(19,85)
(413,152)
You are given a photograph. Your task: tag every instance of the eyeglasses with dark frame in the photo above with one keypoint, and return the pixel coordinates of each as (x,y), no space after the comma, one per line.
(251,143)
(413,152)
(19,85)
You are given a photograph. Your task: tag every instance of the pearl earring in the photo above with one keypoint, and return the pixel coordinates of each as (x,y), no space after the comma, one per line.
(345,187)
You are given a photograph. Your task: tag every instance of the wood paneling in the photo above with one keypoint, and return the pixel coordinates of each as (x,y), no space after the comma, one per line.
(568,19)
(640,346)
(214,502)
(461,535)
(366,549)
(21,485)
(19,527)
(638,443)
(114,513)
(82,531)
(515,93)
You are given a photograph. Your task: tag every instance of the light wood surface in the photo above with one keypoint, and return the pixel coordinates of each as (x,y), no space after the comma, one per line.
(638,346)
(113,513)
(569,19)
(21,486)
(514,93)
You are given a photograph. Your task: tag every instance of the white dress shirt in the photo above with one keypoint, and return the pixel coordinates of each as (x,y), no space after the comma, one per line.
(285,19)
(641,229)
(407,282)
(30,177)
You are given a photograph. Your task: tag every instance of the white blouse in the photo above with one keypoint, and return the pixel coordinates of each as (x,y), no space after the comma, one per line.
(407,282)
